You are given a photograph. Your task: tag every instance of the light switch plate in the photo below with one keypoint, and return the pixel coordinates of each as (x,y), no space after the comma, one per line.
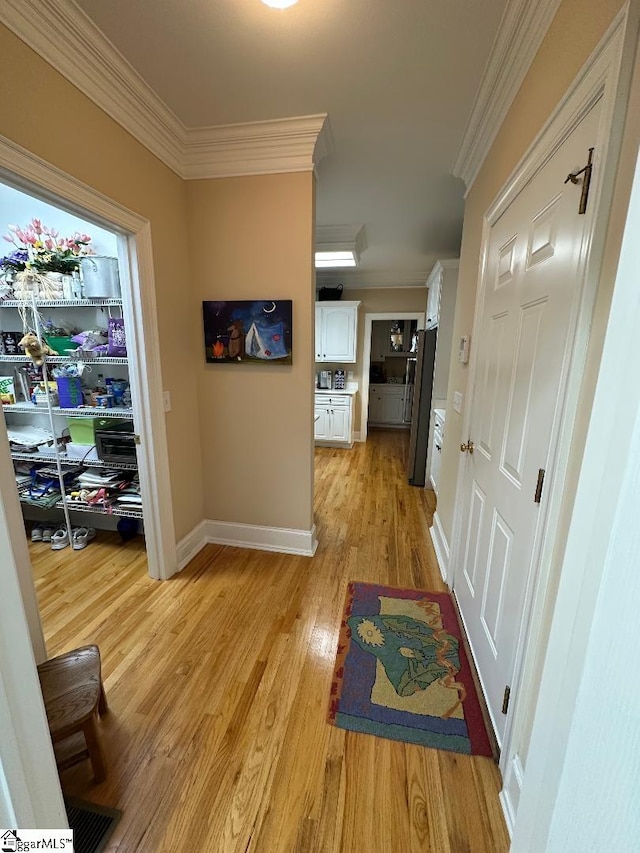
(457,402)
(166,400)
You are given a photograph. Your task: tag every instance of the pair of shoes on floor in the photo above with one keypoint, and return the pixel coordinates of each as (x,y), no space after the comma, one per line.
(80,538)
(42,533)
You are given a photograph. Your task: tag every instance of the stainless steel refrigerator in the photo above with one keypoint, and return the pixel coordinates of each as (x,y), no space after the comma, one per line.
(421,409)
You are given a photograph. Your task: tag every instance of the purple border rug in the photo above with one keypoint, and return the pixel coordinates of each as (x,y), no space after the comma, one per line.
(401,671)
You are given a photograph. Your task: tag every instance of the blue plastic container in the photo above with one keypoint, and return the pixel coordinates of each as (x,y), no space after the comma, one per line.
(70,392)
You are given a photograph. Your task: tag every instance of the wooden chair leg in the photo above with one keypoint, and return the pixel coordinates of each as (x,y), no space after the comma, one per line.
(94,746)
(103,706)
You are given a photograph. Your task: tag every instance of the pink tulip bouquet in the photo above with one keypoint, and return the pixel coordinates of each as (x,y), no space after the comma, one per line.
(42,249)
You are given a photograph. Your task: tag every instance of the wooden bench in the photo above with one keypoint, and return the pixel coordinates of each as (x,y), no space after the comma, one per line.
(74,697)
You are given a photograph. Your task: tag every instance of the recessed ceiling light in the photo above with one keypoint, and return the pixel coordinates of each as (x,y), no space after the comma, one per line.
(339,245)
(335,259)
(279,4)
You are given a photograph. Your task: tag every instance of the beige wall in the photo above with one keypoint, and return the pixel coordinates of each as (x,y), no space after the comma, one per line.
(45,114)
(574,33)
(256,421)
(376,300)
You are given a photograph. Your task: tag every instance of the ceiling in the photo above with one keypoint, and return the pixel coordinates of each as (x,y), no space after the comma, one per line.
(397,79)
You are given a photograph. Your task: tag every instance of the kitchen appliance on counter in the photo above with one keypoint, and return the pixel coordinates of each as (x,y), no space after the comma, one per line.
(325,379)
(339,380)
(421,408)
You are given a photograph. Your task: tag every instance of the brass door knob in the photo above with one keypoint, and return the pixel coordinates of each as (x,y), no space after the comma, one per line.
(467,448)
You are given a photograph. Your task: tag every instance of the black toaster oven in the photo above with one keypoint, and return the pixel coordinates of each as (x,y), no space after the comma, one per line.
(116,445)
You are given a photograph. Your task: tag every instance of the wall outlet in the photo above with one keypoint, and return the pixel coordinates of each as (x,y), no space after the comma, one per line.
(166,400)
(457,402)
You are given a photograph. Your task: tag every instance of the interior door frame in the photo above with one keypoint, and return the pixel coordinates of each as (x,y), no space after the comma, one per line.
(366,357)
(598,80)
(25,171)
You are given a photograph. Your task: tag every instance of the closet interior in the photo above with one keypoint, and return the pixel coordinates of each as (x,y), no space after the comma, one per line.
(64,375)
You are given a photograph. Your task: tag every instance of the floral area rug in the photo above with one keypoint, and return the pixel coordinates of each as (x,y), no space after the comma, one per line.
(401,671)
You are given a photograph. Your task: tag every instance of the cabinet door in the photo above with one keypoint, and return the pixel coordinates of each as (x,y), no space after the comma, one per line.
(380,339)
(393,408)
(375,405)
(321,425)
(433,302)
(436,457)
(338,334)
(340,420)
(318,341)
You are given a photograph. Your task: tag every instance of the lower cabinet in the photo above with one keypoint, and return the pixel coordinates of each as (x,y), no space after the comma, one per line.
(388,404)
(334,418)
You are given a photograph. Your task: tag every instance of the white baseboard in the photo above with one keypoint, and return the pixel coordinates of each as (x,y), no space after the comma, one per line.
(280,539)
(357,436)
(510,793)
(440,546)
(191,544)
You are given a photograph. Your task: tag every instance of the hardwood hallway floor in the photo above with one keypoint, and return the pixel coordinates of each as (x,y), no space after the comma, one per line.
(218,683)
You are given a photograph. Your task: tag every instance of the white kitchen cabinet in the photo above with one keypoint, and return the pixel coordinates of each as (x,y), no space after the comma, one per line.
(336,331)
(436,455)
(387,404)
(434,283)
(446,272)
(334,419)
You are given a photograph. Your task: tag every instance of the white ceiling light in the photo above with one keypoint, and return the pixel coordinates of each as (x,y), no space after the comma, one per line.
(279,4)
(335,259)
(339,245)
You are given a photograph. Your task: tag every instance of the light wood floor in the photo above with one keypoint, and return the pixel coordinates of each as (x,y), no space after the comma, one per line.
(218,682)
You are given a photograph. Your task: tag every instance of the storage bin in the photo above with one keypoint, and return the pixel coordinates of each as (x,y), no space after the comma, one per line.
(82,430)
(61,345)
(70,392)
(100,279)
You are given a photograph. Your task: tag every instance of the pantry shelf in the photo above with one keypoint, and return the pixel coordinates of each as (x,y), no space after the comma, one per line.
(69,460)
(60,303)
(127,512)
(80,412)
(66,359)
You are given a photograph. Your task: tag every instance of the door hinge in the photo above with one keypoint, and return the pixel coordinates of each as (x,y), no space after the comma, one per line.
(586,182)
(538,495)
(505,699)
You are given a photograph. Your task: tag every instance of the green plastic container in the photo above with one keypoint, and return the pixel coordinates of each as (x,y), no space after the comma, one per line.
(83,430)
(61,345)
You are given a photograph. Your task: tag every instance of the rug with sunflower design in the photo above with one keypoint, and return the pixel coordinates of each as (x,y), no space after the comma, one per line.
(401,671)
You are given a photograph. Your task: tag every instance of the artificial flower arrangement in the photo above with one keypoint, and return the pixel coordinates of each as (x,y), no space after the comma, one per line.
(41,249)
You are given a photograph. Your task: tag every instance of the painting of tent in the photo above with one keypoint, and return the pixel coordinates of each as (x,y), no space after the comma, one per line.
(248,332)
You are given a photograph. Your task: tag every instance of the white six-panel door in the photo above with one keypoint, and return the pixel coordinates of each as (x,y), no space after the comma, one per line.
(531,294)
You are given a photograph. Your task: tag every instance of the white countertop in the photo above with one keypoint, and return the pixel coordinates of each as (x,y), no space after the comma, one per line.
(350,389)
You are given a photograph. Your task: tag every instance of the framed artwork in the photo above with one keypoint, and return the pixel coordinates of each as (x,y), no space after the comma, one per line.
(248,331)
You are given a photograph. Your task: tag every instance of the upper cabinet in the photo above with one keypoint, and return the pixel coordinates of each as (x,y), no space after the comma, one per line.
(392,338)
(434,283)
(336,331)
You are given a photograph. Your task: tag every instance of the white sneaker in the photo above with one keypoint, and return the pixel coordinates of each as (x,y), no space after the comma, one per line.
(36,533)
(59,540)
(82,536)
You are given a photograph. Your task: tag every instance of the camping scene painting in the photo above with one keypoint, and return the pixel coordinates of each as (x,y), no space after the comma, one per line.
(248,332)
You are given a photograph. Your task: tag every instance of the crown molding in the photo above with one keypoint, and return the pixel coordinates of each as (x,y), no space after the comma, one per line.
(256,148)
(65,37)
(359,279)
(522,29)
(68,40)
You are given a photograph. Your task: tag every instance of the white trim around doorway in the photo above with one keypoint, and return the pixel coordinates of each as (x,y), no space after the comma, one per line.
(598,80)
(366,358)
(27,172)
